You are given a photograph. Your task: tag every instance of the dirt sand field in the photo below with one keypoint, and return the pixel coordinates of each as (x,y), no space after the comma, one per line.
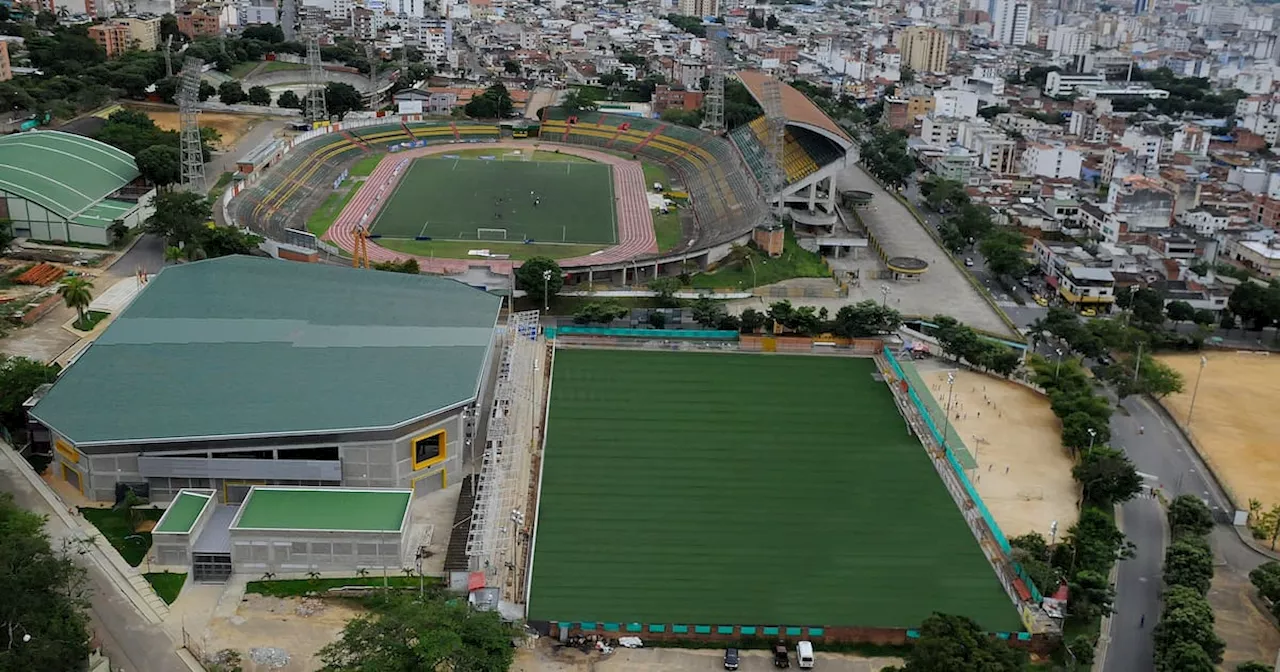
(543,659)
(299,627)
(1023,474)
(231,126)
(1241,620)
(1234,423)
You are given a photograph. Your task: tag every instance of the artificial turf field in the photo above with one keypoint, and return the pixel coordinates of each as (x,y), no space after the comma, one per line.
(735,489)
(451,198)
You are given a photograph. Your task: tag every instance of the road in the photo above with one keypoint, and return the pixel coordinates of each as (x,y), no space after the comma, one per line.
(132,644)
(1165,459)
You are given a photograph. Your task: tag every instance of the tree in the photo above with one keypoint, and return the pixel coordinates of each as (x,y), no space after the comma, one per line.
(259,95)
(707,312)
(511,67)
(600,312)
(341,98)
(1157,378)
(771,23)
(1188,515)
(751,320)
(1148,307)
(1108,477)
(117,232)
(1180,311)
(1188,564)
(266,32)
(221,241)
(657,319)
(77,293)
(6,233)
(906,74)
(1183,657)
(865,318)
(1204,317)
(406,633)
(1186,618)
(1094,541)
(577,100)
(206,91)
(949,643)
(406,266)
(178,216)
(160,164)
(289,99)
(1076,428)
(1257,305)
(666,289)
(1005,253)
(494,103)
(19,377)
(1253,666)
(45,596)
(230,93)
(530,278)
(1266,578)
(943,195)
(1091,595)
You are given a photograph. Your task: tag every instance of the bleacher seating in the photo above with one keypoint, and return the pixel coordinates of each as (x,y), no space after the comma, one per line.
(726,201)
(803,153)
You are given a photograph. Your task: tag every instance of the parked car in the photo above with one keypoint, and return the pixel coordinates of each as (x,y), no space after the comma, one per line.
(804,654)
(730,659)
(1089,312)
(780,657)
(1041,301)
(968,262)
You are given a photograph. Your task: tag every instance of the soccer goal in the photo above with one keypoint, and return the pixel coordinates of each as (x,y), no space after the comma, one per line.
(491,234)
(517,155)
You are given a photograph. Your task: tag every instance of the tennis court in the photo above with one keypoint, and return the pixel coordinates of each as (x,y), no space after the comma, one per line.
(490,199)
(733,489)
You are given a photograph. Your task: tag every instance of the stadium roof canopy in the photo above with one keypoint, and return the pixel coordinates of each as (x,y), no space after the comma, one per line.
(798,109)
(65,173)
(245,347)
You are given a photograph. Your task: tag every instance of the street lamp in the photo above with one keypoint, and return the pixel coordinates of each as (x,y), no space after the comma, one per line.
(884,292)
(1195,390)
(1053,532)
(546,280)
(1058,366)
(946,424)
(1092,433)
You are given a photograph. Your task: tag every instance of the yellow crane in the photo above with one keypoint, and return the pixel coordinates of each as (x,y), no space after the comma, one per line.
(360,255)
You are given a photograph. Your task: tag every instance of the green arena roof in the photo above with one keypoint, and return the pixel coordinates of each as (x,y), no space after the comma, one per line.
(183,512)
(252,347)
(62,172)
(329,509)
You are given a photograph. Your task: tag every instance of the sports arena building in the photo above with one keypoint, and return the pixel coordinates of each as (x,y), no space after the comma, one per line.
(62,187)
(241,371)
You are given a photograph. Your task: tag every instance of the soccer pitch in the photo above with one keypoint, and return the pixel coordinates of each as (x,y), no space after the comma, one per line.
(734,489)
(492,200)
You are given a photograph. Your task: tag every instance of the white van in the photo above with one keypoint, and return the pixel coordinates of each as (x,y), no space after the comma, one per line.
(804,652)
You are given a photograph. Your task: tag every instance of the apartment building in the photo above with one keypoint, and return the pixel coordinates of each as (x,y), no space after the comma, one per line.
(1052,160)
(923,49)
(144,31)
(112,37)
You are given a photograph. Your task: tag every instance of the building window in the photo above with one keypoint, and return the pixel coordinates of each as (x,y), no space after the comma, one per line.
(429,449)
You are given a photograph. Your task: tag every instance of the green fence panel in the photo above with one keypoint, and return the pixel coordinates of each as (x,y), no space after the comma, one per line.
(657,627)
(770,631)
(611,627)
(724,630)
(635,627)
(793,632)
(680,629)
(702,629)
(816,632)
(748,630)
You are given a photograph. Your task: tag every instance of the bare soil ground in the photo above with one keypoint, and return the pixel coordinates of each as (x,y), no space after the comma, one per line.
(1241,622)
(1233,424)
(231,126)
(1023,474)
(261,622)
(544,659)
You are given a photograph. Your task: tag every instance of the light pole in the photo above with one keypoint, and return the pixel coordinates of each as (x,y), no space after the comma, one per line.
(1058,366)
(1053,532)
(946,423)
(546,280)
(1195,390)
(1092,433)
(884,292)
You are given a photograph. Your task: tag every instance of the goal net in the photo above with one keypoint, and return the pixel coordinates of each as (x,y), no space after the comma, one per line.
(491,234)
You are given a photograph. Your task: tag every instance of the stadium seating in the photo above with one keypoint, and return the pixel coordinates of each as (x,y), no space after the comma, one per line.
(725,199)
(797,162)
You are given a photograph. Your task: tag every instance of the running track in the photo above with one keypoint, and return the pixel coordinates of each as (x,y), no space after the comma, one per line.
(635,222)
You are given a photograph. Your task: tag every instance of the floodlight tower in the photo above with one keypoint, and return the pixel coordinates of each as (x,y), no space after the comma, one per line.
(775,144)
(717,64)
(317,110)
(189,118)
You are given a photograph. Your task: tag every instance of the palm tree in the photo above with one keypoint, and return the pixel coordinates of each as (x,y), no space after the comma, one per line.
(75,293)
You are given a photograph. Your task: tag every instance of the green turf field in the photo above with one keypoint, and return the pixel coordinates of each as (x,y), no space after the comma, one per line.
(734,489)
(454,198)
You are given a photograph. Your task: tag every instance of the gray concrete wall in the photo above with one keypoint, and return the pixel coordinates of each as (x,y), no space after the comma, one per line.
(255,552)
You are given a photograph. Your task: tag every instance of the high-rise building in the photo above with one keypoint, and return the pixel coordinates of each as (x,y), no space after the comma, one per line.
(700,7)
(923,49)
(112,37)
(1010,21)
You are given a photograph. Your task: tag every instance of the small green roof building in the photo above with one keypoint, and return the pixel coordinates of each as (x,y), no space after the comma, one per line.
(241,371)
(63,187)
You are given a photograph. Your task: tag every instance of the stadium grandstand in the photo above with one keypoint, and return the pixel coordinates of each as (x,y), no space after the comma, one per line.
(63,187)
(813,153)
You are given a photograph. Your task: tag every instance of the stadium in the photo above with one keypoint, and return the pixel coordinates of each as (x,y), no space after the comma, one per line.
(572,187)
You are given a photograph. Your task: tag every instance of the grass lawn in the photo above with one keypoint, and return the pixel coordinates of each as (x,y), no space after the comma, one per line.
(324,216)
(166,584)
(667,229)
(279,66)
(115,526)
(299,587)
(364,167)
(654,172)
(732,489)
(90,320)
(223,180)
(457,249)
(240,70)
(795,262)
(454,199)
(542,155)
